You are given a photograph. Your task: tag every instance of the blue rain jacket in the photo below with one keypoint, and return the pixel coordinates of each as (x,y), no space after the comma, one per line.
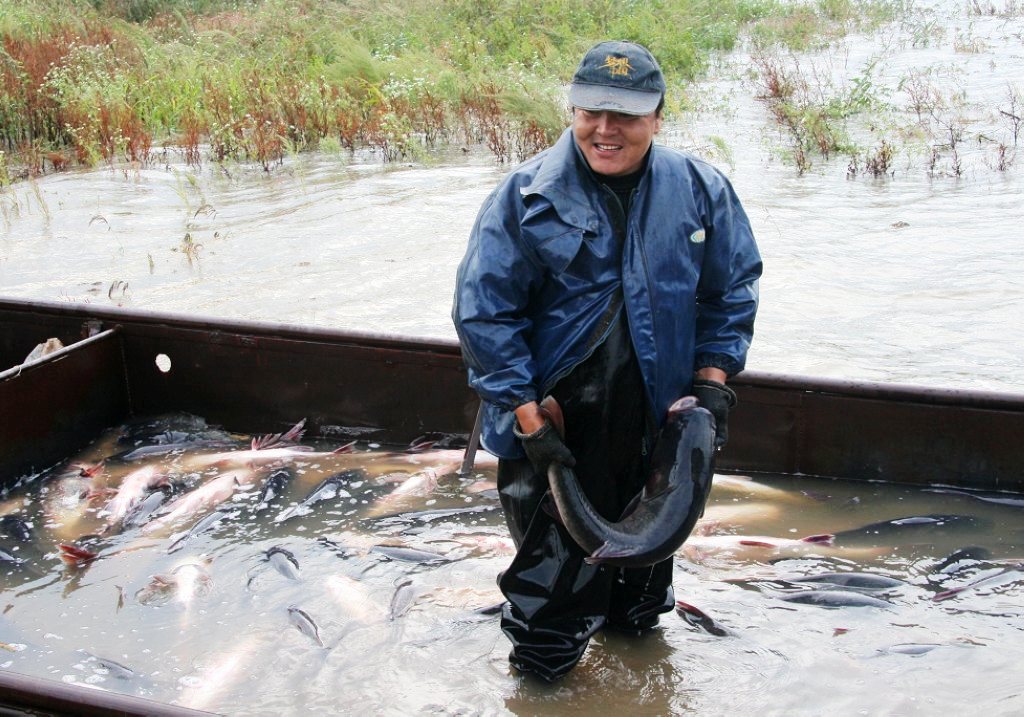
(544,273)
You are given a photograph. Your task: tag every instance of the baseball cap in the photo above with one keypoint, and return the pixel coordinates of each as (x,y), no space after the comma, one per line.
(618,76)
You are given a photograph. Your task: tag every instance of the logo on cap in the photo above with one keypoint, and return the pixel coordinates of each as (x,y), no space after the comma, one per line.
(617,66)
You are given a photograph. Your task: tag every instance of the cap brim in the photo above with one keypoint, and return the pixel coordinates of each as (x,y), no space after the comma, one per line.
(605,98)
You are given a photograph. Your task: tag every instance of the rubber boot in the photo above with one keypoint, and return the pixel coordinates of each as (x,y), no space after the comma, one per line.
(556,600)
(639,595)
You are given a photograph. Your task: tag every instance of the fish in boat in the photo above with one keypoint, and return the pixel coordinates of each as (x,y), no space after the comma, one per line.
(834,598)
(67,496)
(329,488)
(1005,576)
(307,626)
(402,599)
(417,485)
(166,449)
(145,508)
(354,600)
(8,558)
(75,555)
(445,456)
(183,584)
(133,489)
(16,527)
(201,526)
(733,484)
(913,525)
(207,496)
(273,488)
(753,543)
(284,562)
(664,514)
(698,618)
(852,581)
(961,559)
(409,555)
(1010,499)
(260,456)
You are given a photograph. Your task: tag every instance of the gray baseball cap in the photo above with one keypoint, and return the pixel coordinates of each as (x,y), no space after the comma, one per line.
(618,76)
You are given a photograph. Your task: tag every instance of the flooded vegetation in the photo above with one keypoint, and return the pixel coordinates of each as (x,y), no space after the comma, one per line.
(118,80)
(175,561)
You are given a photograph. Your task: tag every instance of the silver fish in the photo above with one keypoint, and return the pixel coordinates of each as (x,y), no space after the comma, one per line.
(284,562)
(835,599)
(301,619)
(200,526)
(330,488)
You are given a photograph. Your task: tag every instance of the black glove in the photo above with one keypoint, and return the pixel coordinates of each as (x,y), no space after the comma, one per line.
(717,398)
(544,446)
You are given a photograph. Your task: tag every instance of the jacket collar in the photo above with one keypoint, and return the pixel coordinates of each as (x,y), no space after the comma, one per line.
(565,180)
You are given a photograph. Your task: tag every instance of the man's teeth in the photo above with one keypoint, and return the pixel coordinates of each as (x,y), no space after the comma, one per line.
(607,146)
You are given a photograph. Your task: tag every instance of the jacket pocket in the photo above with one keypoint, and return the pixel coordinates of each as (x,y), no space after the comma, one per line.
(557,252)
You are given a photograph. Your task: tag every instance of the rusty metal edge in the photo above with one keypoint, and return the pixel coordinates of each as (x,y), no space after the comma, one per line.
(60,698)
(1002,400)
(56,355)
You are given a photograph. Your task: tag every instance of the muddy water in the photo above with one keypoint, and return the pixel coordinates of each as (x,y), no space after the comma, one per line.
(405,637)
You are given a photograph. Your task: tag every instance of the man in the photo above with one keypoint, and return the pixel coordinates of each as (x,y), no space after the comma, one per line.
(617,276)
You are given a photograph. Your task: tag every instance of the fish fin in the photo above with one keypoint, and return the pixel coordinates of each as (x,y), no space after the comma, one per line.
(420,446)
(347,448)
(757,543)
(292,435)
(74,555)
(821,538)
(947,594)
(607,552)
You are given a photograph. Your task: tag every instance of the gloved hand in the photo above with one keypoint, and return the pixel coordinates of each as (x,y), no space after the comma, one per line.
(717,398)
(544,446)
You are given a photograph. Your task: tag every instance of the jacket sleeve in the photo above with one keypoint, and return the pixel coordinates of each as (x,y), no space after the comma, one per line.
(727,292)
(492,291)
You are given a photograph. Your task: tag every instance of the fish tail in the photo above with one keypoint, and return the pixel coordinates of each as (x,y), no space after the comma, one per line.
(74,555)
(822,538)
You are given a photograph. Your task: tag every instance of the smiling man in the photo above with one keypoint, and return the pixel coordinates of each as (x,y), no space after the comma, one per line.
(615,275)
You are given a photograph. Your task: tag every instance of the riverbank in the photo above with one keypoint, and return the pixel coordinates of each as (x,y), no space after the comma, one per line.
(83,83)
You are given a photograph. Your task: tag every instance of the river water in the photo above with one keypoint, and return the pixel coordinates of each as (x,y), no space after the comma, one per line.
(914,278)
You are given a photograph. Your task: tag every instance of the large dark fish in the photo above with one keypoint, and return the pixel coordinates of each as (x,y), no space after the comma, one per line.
(851,581)
(698,618)
(1010,574)
(273,488)
(16,527)
(284,562)
(835,598)
(914,525)
(671,502)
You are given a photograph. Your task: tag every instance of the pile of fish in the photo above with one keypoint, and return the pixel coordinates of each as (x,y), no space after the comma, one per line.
(337,542)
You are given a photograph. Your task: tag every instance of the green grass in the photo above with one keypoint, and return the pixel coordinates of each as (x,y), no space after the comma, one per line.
(104,80)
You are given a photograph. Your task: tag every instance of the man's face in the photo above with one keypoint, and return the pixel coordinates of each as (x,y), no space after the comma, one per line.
(613,143)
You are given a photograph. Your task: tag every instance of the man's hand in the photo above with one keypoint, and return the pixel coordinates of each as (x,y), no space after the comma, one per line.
(717,398)
(544,446)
